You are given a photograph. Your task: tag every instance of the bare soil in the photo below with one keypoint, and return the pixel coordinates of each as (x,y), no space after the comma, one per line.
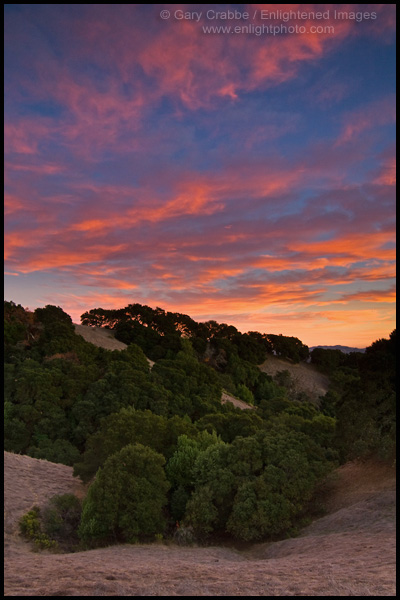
(305,377)
(348,552)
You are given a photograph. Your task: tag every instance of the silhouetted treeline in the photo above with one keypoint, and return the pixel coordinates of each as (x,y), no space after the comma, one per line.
(158,331)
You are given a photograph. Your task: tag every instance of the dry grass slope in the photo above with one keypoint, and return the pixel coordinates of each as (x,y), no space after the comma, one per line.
(99,336)
(305,376)
(349,552)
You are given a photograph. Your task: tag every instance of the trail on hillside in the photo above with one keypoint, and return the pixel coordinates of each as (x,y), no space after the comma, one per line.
(235,401)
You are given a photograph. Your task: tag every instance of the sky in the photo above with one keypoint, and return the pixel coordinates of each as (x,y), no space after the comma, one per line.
(233,162)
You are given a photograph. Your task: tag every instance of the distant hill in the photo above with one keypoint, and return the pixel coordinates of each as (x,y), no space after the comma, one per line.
(344,349)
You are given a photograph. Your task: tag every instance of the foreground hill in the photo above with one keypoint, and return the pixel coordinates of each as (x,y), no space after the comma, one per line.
(349,552)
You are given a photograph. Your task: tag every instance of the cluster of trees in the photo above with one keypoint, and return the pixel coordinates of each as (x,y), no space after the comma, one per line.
(330,360)
(158,446)
(252,488)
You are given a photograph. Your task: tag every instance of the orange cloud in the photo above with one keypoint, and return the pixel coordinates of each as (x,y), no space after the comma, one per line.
(191,195)
(12,204)
(13,241)
(67,258)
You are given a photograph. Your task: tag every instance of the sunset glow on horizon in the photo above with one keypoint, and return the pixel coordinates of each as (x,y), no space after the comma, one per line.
(241,177)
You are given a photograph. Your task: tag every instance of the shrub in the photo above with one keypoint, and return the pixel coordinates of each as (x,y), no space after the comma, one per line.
(184,536)
(30,528)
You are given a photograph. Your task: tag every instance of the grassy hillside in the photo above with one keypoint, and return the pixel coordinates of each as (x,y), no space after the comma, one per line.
(350,551)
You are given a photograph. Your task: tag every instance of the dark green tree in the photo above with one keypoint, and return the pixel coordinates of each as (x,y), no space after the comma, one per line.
(60,520)
(130,426)
(125,502)
(180,469)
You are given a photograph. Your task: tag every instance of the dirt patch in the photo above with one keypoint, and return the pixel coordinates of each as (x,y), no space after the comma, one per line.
(331,558)
(235,401)
(305,377)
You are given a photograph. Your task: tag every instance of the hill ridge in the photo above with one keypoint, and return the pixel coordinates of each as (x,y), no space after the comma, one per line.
(344,349)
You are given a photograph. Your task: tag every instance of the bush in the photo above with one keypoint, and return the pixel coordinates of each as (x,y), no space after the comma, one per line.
(184,536)
(31,529)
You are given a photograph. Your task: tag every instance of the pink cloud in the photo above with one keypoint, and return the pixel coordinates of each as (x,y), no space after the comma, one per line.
(379,113)
(386,173)
(24,137)
(190,255)
(222,68)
